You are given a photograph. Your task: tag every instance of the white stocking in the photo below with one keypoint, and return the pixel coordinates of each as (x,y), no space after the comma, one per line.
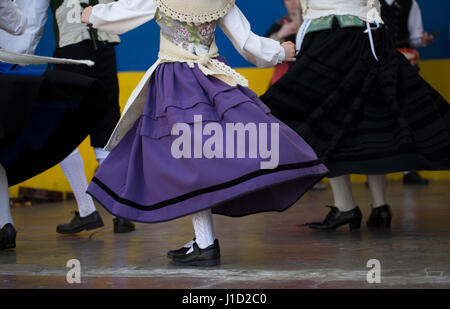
(203,228)
(377,185)
(342,193)
(100,154)
(73,168)
(5,210)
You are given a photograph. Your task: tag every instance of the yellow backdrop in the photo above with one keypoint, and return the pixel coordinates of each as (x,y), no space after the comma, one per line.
(436,72)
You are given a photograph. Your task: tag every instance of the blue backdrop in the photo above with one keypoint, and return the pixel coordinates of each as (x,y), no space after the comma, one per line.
(139,47)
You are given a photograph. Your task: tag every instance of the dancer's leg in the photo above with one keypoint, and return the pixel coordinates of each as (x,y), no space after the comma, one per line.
(203,228)
(100,154)
(7,233)
(5,210)
(205,250)
(73,168)
(344,211)
(342,193)
(381,213)
(377,185)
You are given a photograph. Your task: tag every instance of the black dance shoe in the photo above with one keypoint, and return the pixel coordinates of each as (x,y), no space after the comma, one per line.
(336,219)
(380,217)
(182,251)
(7,237)
(209,256)
(122,225)
(79,224)
(414,178)
(179,252)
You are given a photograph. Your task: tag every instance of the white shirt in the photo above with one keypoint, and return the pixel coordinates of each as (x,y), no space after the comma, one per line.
(367,10)
(415,24)
(37,13)
(125,15)
(26,43)
(11,18)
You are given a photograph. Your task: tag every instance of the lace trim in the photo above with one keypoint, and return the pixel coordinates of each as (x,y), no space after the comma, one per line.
(191,15)
(210,66)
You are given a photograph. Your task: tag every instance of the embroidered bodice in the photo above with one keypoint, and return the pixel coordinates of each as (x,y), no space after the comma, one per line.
(193,37)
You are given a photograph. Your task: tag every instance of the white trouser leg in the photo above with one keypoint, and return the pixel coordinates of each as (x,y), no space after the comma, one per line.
(342,193)
(73,168)
(5,210)
(377,185)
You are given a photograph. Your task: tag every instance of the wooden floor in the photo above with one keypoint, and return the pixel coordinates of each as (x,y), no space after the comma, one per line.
(260,251)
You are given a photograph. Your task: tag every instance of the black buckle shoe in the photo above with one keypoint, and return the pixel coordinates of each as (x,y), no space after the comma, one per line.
(380,217)
(8,237)
(182,251)
(414,178)
(122,225)
(179,252)
(79,224)
(336,219)
(209,256)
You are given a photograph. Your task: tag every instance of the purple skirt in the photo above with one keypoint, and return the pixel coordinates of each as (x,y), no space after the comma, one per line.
(143,181)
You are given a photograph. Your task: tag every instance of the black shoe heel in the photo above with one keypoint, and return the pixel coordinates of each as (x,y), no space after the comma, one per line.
(355,224)
(8,238)
(10,243)
(122,225)
(380,217)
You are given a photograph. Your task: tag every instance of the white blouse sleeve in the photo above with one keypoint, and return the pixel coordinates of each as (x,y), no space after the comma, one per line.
(122,16)
(37,14)
(11,18)
(263,52)
(415,26)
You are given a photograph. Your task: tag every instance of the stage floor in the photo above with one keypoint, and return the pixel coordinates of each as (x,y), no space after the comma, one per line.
(260,251)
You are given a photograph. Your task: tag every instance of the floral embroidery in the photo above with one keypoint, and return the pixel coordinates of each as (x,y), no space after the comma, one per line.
(207,31)
(183,34)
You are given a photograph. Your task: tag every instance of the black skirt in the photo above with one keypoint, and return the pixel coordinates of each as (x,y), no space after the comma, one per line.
(105,71)
(15,109)
(44,118)
(362,116)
